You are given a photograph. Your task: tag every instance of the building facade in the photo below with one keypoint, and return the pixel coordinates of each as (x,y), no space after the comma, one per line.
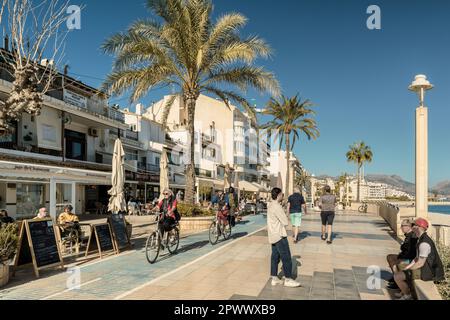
(223,135)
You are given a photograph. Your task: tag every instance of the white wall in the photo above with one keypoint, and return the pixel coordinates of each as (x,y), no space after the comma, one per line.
(49,128)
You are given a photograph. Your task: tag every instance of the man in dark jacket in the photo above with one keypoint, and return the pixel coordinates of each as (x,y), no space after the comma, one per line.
(427,266)
(407,251)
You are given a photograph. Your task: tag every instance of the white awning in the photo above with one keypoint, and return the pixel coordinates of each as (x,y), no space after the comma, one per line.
(248,186)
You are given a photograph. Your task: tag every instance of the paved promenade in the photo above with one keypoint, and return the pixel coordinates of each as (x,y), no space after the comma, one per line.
(234,269)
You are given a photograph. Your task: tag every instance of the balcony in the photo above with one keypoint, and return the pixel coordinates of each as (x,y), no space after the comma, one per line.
(148,167)
(30,149)
(132,135)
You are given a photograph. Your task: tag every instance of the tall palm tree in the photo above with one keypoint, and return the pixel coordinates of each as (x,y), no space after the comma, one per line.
(302,180)
(359,153)
(192,54)
(290,118)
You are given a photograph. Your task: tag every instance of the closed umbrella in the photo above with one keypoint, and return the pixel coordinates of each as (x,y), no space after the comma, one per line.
(164,173)
(236,184)
(117,196)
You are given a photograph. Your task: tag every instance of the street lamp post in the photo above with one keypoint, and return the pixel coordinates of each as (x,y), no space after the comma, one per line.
(420,85)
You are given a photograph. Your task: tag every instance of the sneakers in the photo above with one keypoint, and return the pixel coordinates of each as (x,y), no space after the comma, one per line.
(398,295)
(290,283)
(406,297)
(276,281)
(392,285)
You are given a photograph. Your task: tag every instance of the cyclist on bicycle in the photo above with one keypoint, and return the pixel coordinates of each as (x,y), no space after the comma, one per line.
(224,208)
(169,215)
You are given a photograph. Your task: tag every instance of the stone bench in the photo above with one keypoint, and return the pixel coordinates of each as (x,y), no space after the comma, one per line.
(426,290)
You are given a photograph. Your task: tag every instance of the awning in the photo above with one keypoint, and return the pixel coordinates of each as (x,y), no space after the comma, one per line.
(248,186)
(260,187)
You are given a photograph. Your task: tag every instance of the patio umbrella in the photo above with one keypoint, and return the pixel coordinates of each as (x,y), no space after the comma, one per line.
(117,196)
(164,173)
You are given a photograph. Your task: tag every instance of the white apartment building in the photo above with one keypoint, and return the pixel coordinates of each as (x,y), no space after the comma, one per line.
(64,154)
(153,140)
(223,135)
(368,190)
(278,169)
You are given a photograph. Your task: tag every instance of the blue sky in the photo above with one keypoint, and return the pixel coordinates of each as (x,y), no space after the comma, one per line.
(357,77)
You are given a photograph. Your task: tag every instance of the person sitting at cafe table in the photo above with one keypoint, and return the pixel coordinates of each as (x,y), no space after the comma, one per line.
(42,214)
(68,220)
(4,218)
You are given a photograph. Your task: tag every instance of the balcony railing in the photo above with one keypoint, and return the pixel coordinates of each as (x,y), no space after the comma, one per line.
(132,135)
(148,167)
(30,149)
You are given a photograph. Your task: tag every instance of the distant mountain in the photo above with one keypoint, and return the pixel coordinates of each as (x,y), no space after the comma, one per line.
(393,180)
(442,187)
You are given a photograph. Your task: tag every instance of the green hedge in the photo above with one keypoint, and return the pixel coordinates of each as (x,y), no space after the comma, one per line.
(444,286)
(8,241)
(188,210)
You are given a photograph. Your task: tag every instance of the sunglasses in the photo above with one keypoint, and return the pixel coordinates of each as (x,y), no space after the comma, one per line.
(166,194)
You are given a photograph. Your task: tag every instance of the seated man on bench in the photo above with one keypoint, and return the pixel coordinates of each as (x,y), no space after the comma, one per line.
(407,254)
(427,266)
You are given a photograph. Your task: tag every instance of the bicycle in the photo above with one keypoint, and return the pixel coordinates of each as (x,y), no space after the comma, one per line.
(155,241)
(363,208)
(219,228)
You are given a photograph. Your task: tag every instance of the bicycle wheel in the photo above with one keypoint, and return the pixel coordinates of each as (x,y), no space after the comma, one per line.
(226,231)
(361,209)
(152,247)
(173,241)
(213,233)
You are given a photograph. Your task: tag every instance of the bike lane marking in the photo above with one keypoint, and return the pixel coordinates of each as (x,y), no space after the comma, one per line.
(129,269)
(123,295)
(67,290)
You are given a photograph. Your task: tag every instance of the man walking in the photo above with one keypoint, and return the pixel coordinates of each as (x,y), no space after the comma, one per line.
(277,222)
(296,203)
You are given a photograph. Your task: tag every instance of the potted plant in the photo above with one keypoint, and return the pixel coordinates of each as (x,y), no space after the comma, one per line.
(8,248)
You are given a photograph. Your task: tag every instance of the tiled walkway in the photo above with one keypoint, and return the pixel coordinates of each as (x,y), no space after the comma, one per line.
(234,269)
(337,271)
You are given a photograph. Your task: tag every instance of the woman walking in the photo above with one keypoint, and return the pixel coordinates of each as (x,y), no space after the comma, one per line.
(277,222)
(327,205)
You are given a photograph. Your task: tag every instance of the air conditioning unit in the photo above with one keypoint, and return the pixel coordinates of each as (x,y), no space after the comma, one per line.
(93,132)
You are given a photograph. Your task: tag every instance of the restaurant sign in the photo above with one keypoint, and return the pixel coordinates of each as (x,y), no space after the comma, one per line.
(75,99)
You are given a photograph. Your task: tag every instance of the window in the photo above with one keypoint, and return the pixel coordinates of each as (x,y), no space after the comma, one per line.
(75,145)
(48,133)
(30,197)
(157,160)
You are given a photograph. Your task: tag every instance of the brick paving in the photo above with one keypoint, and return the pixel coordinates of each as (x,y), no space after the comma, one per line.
(235,269)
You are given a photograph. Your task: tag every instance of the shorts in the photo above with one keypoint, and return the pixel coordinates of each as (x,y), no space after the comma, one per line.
(412,274)
(327,217)
(296,219)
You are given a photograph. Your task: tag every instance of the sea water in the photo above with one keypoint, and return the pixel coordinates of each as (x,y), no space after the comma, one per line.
(439,209)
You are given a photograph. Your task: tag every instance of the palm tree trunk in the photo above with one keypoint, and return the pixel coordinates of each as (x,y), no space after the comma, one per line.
(288,170)
(190,166)
(359,184)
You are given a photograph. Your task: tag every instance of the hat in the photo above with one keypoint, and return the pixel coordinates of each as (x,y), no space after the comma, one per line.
(420,222)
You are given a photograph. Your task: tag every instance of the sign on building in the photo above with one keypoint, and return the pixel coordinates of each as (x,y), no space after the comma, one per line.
(75,99)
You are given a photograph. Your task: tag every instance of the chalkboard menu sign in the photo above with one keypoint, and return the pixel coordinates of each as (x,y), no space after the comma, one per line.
(38,245)
(119,229)
(100,239)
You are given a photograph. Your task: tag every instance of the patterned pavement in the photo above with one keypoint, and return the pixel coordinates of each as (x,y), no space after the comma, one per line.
(234,269)
(109,278)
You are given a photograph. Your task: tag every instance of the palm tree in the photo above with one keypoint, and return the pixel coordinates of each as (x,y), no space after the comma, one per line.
(302,180)
(191,54)
(359,153)
(290,118)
